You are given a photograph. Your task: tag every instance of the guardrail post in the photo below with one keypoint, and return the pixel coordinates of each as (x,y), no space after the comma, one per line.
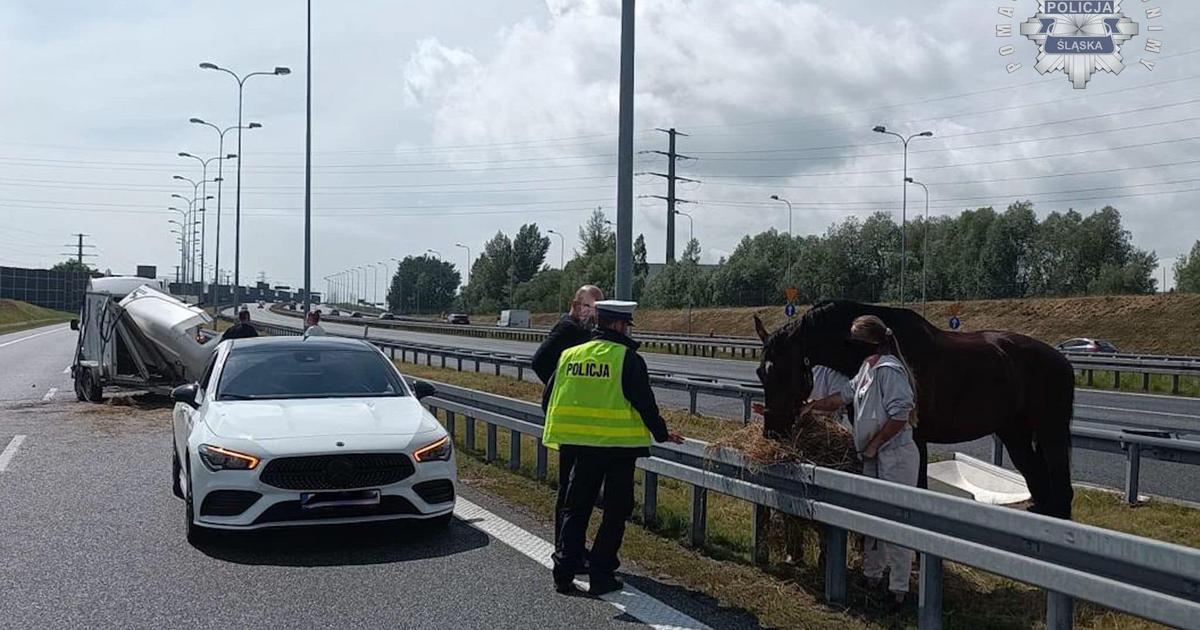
(1133,469)
(747,406)
(491,443)
(835,564)
(649,497)
(520,373)
(1116,379)
(1146,382)
(760,554)
(929,600)
(443,361)
(476,364)
(539,467)
(514,450)
(692,395)
(699,516)
(1090,377)
(1175,384)
(459,364)
(997,450)
(1060,611)
(470,434)
(450,424)
(497,369)
(393,352)
(428,358)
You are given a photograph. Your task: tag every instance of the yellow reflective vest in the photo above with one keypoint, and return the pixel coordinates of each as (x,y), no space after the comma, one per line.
(587,406)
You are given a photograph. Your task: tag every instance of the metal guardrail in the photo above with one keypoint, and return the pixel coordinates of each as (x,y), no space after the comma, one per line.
(1136,441)
(1088,364)
(1146,578)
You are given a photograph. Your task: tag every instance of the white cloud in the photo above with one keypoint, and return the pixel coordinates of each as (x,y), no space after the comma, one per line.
(433,68)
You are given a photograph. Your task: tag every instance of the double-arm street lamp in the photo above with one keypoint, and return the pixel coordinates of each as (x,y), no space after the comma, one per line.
(237,222)
(204,206)
(220,180)
(904,203)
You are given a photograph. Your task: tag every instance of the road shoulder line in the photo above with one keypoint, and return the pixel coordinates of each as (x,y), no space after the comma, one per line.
(628,600)
(10,451)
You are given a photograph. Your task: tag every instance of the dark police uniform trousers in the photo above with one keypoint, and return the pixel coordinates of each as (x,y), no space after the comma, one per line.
(594,466)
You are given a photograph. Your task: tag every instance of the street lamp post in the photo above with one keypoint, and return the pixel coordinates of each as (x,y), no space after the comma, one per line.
(204,206)
(790,235)
(237,221)
(924,247)
(183,217)
(435,253)
(182,247)
(468,273)
(904,203)
(385,268)
(691,225)
(220,180)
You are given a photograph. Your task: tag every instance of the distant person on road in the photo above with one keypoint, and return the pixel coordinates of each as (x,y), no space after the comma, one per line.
(312,324)
(243,329)
(885,410)
(601,412)
(573,329)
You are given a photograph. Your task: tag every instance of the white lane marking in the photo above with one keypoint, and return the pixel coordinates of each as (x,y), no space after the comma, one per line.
(67,370)
(1141,411)
(48,332)
(10,451)
(50,394)
(629,600)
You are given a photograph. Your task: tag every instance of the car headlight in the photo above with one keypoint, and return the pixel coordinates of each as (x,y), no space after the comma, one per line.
(217,458)
(439,451)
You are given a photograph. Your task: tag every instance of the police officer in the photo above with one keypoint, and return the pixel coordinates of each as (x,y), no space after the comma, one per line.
(600,412)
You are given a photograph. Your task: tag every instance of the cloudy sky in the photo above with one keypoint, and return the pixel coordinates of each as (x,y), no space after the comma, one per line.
(436,123)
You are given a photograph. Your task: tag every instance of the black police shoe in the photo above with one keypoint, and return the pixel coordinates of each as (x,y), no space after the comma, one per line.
(601,584)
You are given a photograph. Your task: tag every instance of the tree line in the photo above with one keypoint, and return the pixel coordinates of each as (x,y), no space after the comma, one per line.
(979,254)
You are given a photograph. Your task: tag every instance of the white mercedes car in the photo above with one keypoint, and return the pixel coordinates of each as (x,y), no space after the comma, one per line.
(284,431)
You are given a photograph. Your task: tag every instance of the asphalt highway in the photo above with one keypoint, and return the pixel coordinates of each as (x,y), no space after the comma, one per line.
(93,537)
(1102,469)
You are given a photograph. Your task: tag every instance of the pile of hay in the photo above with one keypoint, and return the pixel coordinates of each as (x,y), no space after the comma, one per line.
(817,439)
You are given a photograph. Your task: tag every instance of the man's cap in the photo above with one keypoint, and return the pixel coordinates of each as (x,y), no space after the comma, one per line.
(619,310)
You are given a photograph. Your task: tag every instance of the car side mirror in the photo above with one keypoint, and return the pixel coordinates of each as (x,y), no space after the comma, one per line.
(423,389)
(74,324)
(186,394)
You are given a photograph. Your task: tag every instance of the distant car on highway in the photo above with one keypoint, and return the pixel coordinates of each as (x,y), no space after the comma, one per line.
(386,315)
(356,314)
(1084,344)
(335,313)
(284,431)
(458,318)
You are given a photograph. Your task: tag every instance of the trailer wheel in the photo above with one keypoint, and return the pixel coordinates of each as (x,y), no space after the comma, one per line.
(87,386)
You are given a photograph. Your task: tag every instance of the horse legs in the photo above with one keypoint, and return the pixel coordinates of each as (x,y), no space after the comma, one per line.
(1054,450)
(923,464)
(1019,443)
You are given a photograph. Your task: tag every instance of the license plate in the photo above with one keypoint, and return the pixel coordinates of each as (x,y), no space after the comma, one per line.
(314,500)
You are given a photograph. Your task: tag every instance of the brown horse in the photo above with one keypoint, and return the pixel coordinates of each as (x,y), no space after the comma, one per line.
(969,385)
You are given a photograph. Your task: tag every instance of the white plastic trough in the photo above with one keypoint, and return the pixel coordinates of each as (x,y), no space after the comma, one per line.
(970,478)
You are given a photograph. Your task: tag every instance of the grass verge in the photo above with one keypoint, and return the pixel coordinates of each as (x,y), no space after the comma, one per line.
(16,316)
(779,594)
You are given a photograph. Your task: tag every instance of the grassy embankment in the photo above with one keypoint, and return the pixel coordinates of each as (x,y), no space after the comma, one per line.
(782,595)
(15,316)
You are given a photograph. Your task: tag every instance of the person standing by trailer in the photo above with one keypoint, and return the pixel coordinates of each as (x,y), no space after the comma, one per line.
(573,329)
(885,413)
(243,329)
(600,411)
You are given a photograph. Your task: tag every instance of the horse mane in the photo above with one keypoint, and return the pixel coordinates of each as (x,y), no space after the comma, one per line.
(826,313)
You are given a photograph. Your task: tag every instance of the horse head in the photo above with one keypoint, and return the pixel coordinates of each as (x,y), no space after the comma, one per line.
(786,376)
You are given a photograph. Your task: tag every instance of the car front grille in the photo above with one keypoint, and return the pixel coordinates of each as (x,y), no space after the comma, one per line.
(337,472)
(435,491)
(228,502)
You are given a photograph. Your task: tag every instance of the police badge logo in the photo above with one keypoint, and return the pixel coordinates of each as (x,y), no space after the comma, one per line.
(1080,37)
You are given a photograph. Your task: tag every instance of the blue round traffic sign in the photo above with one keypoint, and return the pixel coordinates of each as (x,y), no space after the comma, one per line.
(955,322)
(790,310)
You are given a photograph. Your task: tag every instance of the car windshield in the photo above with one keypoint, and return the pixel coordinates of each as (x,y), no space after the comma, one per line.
(307,373)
